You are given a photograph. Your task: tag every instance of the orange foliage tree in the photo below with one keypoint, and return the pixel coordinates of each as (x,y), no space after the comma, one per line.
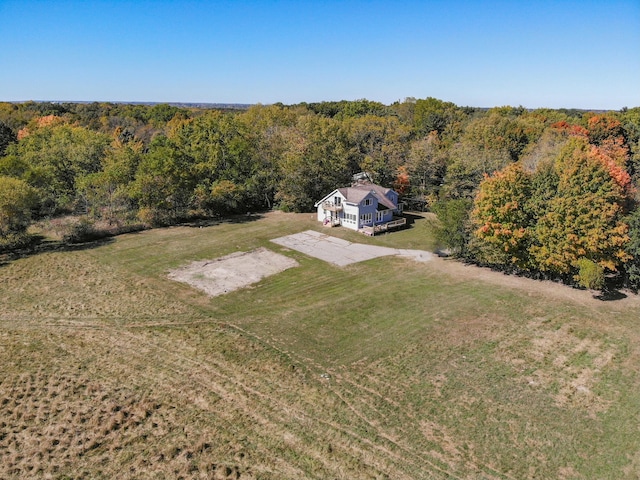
(582,216)
(585,217)
(501,218)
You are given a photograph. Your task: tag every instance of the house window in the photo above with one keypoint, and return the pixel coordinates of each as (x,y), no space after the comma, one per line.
(379,216)
(367,202)
(366,218)
(337,200)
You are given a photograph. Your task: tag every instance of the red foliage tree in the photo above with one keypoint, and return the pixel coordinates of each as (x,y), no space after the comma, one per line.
(402,183)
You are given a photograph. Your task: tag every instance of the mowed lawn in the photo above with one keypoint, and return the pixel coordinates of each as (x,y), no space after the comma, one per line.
(384,369)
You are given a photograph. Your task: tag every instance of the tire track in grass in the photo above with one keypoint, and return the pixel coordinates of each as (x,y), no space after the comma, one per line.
(418,457)
(364,418)
(268,400)
(187,375)
(229,379)
(479,467)
(176,365)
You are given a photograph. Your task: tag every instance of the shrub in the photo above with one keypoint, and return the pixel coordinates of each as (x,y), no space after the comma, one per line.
(16,240)
(452,228)
(17,199)
(81,231)
(155,217)
(590,274)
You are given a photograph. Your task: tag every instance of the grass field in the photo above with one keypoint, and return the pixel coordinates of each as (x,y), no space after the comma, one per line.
(384,369)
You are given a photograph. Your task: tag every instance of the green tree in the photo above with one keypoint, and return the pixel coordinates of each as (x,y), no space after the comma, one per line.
(433,115)
(268,128)
(452,229)
(164,183)
(348,109)
(107,193)
(17,199)
(632,267)
(468,164)
(544,150)
(426,166)
(7,137)
(505,129)
(161,113)
(590,274)
(315,161)
(224,147)
(53,158)
(223,197)
(405,110)
(379,146)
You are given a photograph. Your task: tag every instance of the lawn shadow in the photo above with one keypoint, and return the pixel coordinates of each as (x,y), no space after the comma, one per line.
(610,296)
(412,218)
(42,245)
(233,219)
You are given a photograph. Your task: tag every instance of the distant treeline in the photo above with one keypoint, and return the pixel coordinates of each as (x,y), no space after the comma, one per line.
(547,192)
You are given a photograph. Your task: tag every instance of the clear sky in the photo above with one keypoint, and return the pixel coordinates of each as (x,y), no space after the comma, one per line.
(546,53)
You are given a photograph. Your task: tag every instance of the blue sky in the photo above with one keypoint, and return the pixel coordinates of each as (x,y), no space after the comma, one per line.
(573,54)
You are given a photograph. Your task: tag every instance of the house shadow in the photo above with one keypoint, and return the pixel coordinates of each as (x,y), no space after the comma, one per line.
(412,218)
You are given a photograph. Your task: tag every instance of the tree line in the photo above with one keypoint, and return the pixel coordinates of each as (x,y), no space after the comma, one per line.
(551,192)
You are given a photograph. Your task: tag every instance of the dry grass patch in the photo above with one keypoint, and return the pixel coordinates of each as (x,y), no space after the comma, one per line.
(568,363)
(75,285)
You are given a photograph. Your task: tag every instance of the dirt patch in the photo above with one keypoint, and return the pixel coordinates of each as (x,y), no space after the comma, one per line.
(232,272)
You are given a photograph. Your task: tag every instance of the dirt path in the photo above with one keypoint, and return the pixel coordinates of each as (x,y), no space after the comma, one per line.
(544,288)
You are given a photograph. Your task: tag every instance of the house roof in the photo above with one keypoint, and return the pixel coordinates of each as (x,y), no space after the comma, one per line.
(358,193)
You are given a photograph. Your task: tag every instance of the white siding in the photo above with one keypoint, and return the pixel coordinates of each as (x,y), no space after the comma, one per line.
(331,198)
(350,216)
(355,216)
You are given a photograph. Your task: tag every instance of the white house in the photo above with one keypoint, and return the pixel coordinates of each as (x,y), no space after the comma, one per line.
(363,207)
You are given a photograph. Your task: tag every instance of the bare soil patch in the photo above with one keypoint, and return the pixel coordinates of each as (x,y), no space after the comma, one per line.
(232,272)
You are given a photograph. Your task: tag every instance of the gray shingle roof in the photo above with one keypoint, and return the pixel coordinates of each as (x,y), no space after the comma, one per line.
(357,193)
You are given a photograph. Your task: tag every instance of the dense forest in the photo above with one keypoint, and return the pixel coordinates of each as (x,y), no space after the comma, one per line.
(547,193)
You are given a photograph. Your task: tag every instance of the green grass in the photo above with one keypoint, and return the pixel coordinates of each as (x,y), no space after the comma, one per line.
(384,369)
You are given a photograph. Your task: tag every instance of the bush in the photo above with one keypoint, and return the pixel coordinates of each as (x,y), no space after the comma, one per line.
(81,231)
(17,199)
(16,240)
(590,274)
(452,228)
(632,267)
(155,217)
